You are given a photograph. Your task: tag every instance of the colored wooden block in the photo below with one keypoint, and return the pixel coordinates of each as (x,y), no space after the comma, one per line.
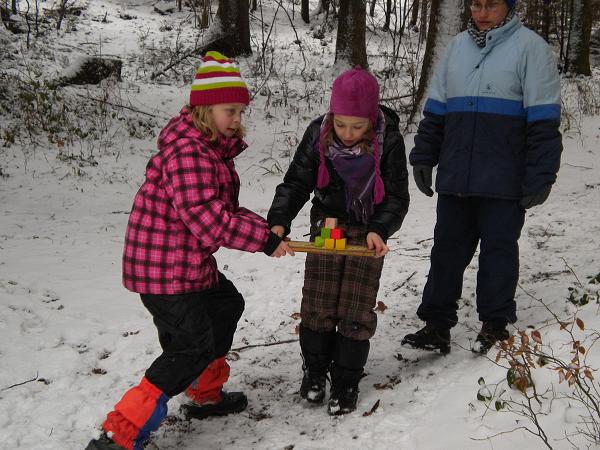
(326,233)
(340,244)
(330,222)
(329,243)
(337,233)
(319,241)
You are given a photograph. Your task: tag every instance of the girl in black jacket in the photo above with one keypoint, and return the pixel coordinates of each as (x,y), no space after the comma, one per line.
(354,162)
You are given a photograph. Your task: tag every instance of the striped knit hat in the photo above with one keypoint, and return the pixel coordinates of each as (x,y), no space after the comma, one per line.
(218,80)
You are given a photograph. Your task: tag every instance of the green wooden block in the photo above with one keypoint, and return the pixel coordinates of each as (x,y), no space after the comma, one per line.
(326,233)
(319,241)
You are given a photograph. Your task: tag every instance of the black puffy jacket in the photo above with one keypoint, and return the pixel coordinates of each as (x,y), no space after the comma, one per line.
(301,179)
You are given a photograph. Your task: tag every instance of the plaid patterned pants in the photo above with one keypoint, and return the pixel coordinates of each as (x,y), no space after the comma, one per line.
(340,292)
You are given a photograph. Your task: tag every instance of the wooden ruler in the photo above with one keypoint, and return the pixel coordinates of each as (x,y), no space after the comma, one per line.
(350,250)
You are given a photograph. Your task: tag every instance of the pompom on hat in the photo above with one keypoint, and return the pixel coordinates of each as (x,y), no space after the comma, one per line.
(218,80)
(354,93)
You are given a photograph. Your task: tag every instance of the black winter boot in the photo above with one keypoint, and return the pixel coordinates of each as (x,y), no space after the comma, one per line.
(103,443)
(231,402)
(349,359)
(488,336)
(313,385)
(316,354)
(344,390)
(430,337)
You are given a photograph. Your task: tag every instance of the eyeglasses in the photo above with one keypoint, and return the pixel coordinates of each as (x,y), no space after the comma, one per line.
(490,7)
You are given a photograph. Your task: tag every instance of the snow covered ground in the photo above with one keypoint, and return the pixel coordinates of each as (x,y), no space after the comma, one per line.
(72,339)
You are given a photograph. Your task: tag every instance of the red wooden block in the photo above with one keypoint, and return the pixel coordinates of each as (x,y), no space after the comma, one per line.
(337,233)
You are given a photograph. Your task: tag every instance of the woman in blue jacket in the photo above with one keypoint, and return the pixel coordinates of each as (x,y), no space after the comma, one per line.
(491,125)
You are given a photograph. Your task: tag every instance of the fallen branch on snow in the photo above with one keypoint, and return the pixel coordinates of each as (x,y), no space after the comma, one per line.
(245,347)
(22,383)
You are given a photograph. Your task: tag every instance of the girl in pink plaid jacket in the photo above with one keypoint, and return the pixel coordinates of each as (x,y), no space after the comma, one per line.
(186,209)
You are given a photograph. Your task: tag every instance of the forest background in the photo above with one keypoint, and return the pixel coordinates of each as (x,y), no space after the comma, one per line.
(85,87)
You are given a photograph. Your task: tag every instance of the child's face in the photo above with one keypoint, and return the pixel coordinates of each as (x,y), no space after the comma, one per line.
(350,129)
(228,117)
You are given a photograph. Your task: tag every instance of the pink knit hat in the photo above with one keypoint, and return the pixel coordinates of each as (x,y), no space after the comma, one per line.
(354,93)
(218,80)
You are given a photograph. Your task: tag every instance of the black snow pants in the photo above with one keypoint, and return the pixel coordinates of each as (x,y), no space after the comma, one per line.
(462,223)
(193,330)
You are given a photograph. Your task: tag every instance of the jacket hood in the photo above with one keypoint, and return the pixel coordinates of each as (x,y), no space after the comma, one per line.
(391,118)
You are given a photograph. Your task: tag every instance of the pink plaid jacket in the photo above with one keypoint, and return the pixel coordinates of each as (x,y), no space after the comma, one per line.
(186,209)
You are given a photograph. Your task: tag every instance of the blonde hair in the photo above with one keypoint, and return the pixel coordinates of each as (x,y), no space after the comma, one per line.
(203,120)
(365,143)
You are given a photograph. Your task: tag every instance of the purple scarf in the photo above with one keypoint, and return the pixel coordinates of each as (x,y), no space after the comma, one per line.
(358,169)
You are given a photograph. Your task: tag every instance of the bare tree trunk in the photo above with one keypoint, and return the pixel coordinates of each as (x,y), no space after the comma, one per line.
(546,21)
(15,6)
(372,8)
(531,15)
(444,23)
(388,15)
(423,26)
(28,24)
(234,20)
(304,11)
(254,6)
(577,60)
(561,21)
(37,18)
(205,18)
(415,13)
(350,45)
(61,13)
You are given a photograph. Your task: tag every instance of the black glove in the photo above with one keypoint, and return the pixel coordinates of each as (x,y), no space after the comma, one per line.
(422,176)
(535,199)
(272,244)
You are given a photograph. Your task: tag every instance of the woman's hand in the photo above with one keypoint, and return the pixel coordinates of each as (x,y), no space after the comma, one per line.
(374,241)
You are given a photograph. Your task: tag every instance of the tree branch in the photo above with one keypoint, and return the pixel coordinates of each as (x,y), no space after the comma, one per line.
(22,383)
(269,344)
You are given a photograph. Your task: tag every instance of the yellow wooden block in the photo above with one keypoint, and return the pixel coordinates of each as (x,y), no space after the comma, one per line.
(340,244)
(329,243)
(330,222)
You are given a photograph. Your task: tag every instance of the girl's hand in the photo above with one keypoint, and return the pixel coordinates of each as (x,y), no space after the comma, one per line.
(374,241)
(278,230)
(282,249)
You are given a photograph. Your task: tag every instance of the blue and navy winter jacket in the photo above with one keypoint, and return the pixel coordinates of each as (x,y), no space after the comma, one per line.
(491,120)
